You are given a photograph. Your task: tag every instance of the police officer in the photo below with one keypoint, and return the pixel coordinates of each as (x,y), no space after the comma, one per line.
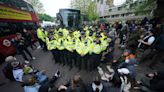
(69,46)
(97,51)
(60,46)
(41,38)
(51,45)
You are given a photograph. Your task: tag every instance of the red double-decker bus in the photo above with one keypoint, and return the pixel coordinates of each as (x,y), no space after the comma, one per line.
(15,15)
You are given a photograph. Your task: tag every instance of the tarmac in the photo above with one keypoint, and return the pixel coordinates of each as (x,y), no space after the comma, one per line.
(45,61)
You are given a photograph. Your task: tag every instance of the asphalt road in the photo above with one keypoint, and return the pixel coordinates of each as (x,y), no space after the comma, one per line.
(45,62)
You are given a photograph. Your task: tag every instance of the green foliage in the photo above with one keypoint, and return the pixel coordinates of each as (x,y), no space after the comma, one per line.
(145,7)
(45,17)
(92,13)
(87,7)
(38,6)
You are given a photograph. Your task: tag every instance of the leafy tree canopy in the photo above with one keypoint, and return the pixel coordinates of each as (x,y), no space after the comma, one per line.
(45,17)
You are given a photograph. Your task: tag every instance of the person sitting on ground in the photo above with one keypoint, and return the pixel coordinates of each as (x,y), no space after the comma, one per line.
(152,82)
(126,79)
(17,71)
(31,84)
(7,70)
(126,59)
(96,86)
(128,62)
(77,85)
(48,86)
(129,59)
(41,77)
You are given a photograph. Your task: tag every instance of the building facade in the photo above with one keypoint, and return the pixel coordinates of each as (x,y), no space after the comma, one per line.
(121,12)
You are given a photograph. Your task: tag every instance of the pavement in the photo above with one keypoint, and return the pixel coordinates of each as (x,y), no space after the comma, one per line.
(46,62)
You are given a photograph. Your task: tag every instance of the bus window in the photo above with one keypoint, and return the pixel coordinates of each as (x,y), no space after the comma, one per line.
(69,17)
(70,20)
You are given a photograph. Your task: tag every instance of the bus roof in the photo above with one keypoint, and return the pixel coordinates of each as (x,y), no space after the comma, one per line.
(69,10)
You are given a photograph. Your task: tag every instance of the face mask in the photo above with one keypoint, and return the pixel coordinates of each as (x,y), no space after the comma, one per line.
(127,60)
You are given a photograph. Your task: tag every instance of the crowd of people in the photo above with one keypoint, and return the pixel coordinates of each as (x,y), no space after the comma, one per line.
(89,46)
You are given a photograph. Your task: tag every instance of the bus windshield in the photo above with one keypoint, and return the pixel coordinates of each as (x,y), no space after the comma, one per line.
(69,17)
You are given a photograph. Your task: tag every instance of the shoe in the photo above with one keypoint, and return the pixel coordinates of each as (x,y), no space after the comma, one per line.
(110,69)
(38,47)
(27,62)
(122,46)
(33,58)
(104,78)
(137,87)
(57,74)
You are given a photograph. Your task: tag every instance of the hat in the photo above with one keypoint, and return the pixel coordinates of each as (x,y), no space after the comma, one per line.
(10,59)
(123,71)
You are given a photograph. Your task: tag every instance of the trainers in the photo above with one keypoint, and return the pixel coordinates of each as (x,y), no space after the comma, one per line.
(137,87)
(33,58)
(38,47)
(57,74)
(27,62)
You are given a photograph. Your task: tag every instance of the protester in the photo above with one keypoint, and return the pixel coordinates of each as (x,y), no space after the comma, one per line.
(96,86)
(7,70)
(123,35)
(21,46)
(132,41)
(48,86)
(17,71)
(145,44)
(151,82)
(31,86)
(27,35)
(77,85)
(127,57)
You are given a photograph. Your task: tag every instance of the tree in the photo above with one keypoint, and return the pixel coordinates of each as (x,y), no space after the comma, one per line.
(92,12)
(146,7)
(80,5)
(38,6)
(45,17)
(87,8)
